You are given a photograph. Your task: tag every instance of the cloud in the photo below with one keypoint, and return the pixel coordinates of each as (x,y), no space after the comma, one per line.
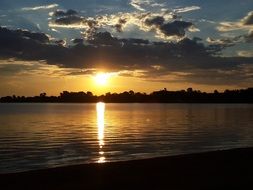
(70,20)
(157,21)
(186,60)
(167,26)
(77,41)
(63,13)
(29,45)
(241,25)
(231,41)
(121,23)
(164,25)
(43,7)
(249,37)
(245,23)
(143,5)
(242,75)
(225,42)
(83,72)
(60,42)
(186,9)
(175,28)
(248,20)
(137,4)
(13,35)
(12,67)
(104,38)
(245,53)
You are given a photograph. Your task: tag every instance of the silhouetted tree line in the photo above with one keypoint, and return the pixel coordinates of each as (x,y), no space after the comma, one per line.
(161,96)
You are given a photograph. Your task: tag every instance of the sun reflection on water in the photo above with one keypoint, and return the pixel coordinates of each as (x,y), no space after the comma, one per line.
(101,126)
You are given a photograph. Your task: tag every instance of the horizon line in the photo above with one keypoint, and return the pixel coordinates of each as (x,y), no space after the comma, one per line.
(132,91)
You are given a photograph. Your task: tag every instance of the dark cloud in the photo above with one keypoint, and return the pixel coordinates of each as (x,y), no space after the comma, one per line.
(175,28)
(77,41)
(17,39)
(249,37)
(134,41)
(103,38)
(62,13)
(60,42)
(15,34)
(69,20)
(248,20)
(27,45)
(71,17)
(157,59)
(139,51)
(158,21)
(40,37)
(120,24)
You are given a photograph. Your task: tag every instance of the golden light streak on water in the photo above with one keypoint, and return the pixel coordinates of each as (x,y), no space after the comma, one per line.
(101,126)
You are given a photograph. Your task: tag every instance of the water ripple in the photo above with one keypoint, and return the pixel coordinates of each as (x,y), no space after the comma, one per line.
(36,136)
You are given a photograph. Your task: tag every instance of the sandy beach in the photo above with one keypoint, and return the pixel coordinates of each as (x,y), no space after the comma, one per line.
(224,169)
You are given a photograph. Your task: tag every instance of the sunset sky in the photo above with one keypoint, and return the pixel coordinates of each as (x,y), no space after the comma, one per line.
(121,45)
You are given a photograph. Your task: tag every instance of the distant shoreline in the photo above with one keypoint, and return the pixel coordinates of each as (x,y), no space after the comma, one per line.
(162,96)
(210,170)
(126,102)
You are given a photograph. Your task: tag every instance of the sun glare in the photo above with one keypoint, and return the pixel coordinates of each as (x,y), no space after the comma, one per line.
(101,78)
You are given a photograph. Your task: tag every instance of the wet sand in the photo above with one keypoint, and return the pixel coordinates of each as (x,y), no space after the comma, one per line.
(227,169)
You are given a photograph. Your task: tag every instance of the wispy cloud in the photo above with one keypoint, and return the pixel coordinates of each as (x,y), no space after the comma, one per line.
(142,5)
(138,4)
(245,53)
(245,23)
(12,67)
(43,7)
(226,42)
(187,9)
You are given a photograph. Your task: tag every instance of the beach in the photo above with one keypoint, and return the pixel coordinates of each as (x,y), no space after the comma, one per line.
(224,169)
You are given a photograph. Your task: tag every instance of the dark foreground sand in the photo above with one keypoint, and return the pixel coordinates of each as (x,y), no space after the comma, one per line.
(229,169)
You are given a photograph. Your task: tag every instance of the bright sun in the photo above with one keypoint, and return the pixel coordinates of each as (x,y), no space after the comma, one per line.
(101,78)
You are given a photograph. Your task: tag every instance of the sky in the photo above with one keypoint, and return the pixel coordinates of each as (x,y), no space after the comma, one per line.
(121,45)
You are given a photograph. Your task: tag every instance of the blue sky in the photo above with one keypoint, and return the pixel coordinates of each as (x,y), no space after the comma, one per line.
(224,27)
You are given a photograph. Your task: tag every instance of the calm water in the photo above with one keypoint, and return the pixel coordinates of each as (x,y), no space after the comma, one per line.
(34,136)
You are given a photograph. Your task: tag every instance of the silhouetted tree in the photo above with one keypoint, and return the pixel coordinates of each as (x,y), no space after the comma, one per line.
(43,94)
(189,90)
(163,96)
(216,92)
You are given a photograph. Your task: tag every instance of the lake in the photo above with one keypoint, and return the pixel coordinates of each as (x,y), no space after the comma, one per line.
(37,136)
